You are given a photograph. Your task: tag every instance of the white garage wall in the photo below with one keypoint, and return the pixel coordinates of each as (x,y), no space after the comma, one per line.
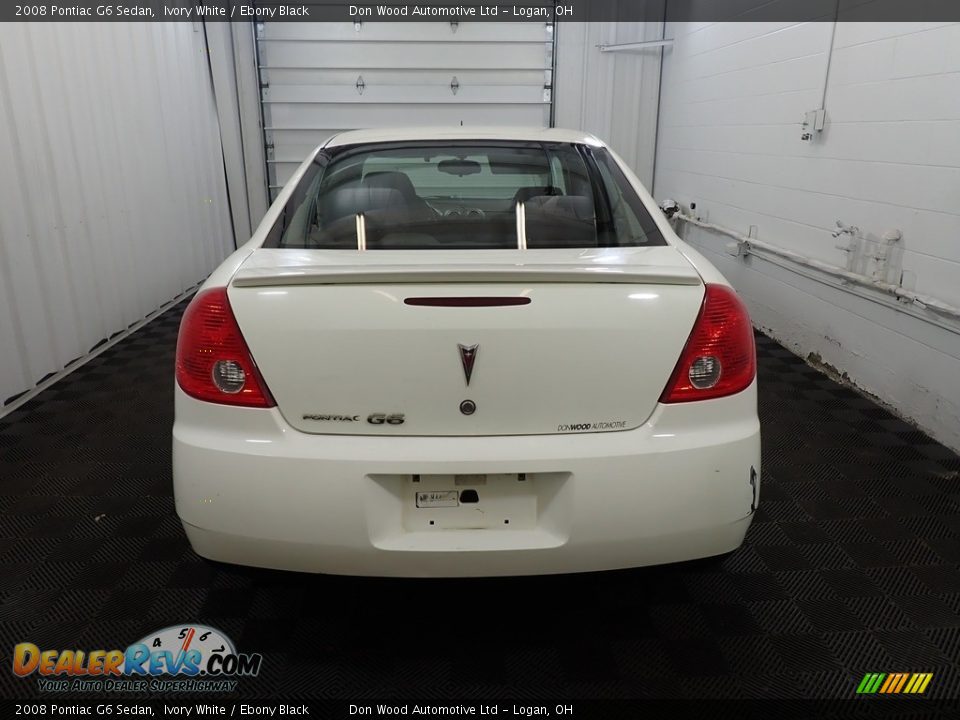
(612,95)
(112,197)
(732,100)
(233,65)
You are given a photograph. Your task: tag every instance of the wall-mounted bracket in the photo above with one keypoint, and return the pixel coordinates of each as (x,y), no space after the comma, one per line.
(813,122)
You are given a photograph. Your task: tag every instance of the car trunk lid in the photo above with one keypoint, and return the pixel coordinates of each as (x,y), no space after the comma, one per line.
(466,342)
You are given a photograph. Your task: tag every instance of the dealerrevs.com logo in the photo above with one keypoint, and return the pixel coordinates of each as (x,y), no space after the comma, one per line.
(178,658)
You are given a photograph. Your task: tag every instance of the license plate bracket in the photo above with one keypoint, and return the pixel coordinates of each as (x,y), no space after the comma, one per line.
(502,501)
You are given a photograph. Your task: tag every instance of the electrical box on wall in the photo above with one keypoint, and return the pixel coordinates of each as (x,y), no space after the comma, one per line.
(812,124)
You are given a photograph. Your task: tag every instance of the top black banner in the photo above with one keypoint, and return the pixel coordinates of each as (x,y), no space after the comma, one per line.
(471,11)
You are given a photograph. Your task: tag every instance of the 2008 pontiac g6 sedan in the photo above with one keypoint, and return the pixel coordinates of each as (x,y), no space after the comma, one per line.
(458,352)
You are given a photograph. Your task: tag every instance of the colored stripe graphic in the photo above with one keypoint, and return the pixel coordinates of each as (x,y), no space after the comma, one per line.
(894,683)
(891,680)
(868,685)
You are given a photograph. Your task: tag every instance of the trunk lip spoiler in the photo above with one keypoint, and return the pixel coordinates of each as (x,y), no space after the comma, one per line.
(418,274)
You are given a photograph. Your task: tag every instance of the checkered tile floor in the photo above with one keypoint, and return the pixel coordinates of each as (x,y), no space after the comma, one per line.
(851,566)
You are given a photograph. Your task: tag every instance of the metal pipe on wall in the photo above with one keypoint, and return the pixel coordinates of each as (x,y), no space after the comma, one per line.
(752,245)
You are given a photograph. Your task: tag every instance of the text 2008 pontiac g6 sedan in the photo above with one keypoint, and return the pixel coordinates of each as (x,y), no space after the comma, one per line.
(465,353)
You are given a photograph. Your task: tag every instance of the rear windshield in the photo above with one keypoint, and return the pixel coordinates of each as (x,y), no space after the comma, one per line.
(470,196)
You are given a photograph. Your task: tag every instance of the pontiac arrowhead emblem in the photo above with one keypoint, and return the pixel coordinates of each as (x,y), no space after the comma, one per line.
(468,354)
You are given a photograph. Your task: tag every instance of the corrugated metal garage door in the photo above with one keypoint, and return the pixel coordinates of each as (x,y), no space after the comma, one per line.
(112,201)
(321,78)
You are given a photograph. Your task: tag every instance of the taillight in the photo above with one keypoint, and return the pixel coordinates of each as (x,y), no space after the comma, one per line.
(719,357)
(213,361)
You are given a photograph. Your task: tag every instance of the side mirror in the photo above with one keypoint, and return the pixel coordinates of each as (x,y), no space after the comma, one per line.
(669,207)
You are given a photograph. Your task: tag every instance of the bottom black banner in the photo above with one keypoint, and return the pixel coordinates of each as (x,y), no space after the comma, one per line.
(580,709)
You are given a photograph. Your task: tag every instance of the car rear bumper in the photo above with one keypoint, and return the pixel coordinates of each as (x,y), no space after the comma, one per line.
(253,491)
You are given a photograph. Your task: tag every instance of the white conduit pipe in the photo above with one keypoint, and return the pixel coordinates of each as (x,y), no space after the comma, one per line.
(750,244)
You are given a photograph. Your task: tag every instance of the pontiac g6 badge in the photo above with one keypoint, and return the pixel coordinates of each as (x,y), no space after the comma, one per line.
(468,354)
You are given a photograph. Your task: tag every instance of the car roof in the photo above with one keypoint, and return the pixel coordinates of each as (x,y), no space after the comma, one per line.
(404,134)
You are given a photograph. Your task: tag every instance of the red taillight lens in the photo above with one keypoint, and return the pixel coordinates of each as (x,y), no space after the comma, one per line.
(719,357)
(213,361)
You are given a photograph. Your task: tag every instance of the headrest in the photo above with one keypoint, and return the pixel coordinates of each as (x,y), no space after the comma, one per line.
(577,207)
(525,193)
(351,200)
(391,180)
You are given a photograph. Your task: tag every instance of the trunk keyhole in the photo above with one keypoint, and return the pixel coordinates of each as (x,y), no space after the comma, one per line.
(469,496)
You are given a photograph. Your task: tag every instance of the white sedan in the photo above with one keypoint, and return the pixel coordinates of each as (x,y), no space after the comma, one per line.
(457,352)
